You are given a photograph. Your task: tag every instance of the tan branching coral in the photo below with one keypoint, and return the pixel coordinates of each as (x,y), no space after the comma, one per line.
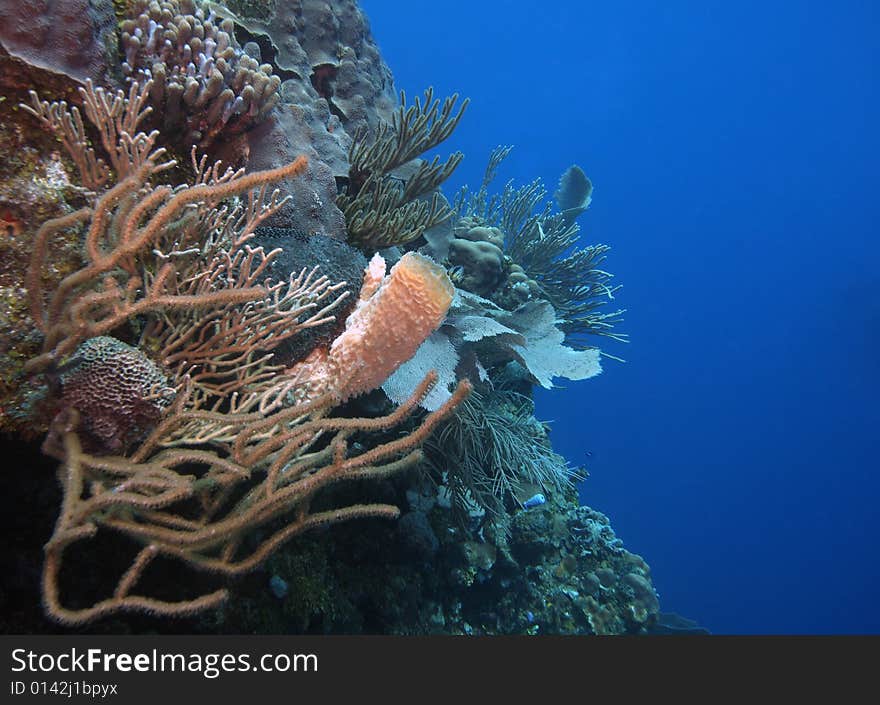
(116,117)
(151,249)
(224,454)
(383,210)
(200,507)
(201,80)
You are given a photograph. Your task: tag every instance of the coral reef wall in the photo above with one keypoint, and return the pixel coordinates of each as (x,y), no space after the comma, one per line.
(159,316)
(334,85)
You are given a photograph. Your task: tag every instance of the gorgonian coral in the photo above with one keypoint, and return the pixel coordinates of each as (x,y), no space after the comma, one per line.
(495,453)
(543,259)
(213,440)
(382,208)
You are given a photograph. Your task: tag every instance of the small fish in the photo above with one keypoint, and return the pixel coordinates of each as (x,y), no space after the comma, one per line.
(534,501)
(456,274)
(278,586)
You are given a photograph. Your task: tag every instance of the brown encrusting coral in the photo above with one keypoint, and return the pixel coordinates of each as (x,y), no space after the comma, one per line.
(335,86)
(73,40)
(326,54)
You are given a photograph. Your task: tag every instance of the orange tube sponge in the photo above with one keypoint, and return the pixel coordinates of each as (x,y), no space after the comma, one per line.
(395,314)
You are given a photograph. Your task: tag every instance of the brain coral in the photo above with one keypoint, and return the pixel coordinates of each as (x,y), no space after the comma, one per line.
(117,391)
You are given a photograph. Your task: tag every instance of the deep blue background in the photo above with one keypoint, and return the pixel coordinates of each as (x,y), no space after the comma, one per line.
(734,151)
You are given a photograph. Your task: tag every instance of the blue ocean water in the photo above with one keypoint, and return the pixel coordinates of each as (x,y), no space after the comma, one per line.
(734,150)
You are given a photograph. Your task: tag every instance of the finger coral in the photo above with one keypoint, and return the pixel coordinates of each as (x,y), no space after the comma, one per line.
(203,82)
